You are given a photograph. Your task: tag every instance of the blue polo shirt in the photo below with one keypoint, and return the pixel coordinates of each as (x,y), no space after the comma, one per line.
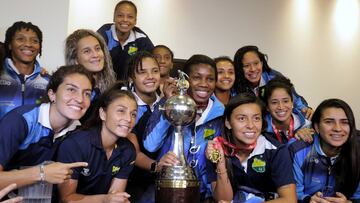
(26,137)
(267,168)
(86,146)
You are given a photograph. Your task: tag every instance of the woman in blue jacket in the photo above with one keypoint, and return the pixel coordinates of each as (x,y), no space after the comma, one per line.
(284,121)
(328,170)
(202,77)
(253,72)
(123,38)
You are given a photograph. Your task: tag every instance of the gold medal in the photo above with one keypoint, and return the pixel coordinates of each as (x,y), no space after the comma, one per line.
(215,156)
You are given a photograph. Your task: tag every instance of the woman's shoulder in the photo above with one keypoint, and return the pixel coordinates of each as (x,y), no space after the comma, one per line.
(81,136)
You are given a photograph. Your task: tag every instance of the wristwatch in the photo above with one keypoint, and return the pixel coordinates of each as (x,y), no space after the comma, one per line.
(153,167)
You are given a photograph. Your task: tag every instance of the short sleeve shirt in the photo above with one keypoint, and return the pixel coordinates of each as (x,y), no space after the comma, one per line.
(85,146)
(267,168)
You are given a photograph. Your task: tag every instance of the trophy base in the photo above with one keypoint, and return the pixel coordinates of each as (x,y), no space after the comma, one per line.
(177,184)
(177,195)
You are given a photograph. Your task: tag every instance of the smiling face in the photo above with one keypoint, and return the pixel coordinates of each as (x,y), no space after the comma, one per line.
(280,106)
(225,75)
(252,67)
(163,57)
(202,82)
(24,46)
(90,54)
(125,18)
(245,123)
(147,79)
(119,116)
(72,97)
(333,127)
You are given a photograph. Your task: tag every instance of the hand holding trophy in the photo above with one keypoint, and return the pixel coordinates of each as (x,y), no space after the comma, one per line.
(178,183)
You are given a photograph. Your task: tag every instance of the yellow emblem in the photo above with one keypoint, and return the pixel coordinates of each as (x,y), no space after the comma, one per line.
(258,165)
(115,170)
(132,50)
(208,133)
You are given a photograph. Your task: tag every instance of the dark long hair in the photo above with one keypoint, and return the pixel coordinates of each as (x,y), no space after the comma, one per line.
(238,100)
(118,90)
(241,83)
(347,166)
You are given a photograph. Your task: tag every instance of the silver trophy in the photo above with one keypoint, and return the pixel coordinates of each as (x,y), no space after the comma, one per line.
(178,183)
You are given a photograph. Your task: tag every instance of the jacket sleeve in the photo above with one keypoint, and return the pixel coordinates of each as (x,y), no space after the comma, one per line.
(299,179)
(102,31)
(299,101)
(14,129)
(356,195)
(156,129)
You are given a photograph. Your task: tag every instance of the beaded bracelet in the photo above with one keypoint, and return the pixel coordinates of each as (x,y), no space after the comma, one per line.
(42,173)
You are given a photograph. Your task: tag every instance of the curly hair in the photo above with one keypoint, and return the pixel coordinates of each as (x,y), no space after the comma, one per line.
(17,26)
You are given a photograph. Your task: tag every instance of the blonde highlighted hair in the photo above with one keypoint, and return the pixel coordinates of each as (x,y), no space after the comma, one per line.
(106,77)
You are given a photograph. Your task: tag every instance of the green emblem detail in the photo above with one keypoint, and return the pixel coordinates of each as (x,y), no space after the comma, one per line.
(258,165)
(115,170)
(132,50)
(208,133)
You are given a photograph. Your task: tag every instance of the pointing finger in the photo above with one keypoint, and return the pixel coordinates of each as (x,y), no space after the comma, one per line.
(77,164)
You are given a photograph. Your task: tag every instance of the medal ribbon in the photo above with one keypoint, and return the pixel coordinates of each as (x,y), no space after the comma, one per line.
(290,131)
(234,149)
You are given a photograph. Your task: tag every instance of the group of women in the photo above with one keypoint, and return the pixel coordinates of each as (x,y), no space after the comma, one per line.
(247,112)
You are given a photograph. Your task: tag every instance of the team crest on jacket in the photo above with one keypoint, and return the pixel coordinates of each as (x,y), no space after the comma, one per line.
(132,50)
(209,133)
(115,170)
(258,165)
(85,171)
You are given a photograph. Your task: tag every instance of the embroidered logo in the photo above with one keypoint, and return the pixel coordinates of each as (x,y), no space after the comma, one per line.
(85,172)
(258,165)
(5,82)
(115,170)
(132,50)
(208,133)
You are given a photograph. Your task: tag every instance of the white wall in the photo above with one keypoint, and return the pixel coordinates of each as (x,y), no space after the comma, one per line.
(312,42)
(50,16)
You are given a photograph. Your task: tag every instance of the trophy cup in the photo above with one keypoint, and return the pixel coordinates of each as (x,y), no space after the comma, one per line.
(178,183)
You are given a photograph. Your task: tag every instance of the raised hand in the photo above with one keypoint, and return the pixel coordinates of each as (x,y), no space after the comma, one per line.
(6,190)
(169,88)
(57,172)
(169,159)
